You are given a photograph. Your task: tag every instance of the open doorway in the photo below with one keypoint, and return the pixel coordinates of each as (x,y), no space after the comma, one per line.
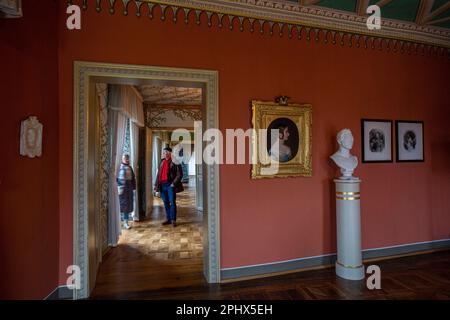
(150,255)
(172,253)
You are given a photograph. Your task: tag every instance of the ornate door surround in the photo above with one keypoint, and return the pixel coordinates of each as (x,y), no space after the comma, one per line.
(84,72)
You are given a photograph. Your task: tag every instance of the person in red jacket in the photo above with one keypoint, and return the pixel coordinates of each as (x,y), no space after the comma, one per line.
(168,183)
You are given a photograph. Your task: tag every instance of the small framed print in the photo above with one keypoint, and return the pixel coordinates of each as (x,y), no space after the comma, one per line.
(410,141)
(376,140)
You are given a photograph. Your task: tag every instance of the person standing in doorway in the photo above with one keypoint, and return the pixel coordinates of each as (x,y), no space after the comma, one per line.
(126,182)
(168,183)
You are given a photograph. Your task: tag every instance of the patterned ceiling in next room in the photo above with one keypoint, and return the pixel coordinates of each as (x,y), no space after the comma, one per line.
(167,95)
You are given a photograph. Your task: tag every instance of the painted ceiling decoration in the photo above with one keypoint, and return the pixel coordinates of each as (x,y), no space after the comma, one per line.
(170,106)
(412,26)
(166,95)
(157,116)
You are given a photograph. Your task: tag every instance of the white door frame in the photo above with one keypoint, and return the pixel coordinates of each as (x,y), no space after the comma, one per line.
(83,73)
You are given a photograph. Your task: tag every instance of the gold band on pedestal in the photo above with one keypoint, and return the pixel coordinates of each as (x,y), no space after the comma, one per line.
(348,196)
(349,266)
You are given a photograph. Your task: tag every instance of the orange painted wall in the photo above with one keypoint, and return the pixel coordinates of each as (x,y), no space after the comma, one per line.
(29,214)
(271,220)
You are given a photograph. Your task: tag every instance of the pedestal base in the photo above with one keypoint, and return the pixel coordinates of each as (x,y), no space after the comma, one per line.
(350,273)
(349,257)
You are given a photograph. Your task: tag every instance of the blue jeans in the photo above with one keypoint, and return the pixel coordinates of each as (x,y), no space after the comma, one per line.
(169,198)
(125,216)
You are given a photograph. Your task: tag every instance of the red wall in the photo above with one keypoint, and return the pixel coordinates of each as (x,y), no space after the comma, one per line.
(29,214)
(261,220)
(279,219)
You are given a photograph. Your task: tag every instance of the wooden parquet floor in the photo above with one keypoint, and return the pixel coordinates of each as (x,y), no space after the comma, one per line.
(160,242)
(162,262)
(421,277)
(151,256)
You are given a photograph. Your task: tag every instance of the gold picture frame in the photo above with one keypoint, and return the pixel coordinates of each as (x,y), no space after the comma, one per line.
(293,121)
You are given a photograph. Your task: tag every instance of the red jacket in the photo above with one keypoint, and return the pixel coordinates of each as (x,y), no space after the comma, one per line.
(174,176)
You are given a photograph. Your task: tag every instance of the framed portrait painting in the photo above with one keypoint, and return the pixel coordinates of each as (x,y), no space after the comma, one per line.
(410,141)
(376,140)
(282,138)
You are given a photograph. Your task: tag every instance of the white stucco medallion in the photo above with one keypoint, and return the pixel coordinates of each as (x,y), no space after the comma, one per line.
(31,137)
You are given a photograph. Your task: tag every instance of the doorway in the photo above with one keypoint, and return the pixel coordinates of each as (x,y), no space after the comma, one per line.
(86,160)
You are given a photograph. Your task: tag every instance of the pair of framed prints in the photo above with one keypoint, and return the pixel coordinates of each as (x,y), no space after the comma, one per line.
(377,137)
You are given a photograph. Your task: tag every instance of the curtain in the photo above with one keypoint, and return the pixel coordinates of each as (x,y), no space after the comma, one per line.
(118,127)
(128,101)
(134,130)
(125,104)
(156,157)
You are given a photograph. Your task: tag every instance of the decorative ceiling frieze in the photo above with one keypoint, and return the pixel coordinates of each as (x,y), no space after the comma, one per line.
(297,20)
(156,94)
(157,116)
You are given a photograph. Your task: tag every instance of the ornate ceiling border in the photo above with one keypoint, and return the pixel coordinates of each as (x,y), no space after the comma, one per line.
(155,115)
(297,21)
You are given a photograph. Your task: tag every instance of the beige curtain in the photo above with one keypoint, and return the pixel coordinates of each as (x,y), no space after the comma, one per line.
(118,125)
(126,104)
(128,101)
(134,164)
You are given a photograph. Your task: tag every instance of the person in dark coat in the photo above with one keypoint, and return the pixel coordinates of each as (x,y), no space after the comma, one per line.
(168,183)
(126,182)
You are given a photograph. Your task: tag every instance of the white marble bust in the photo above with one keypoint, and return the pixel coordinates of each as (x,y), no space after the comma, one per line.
(343,159)
(31,138)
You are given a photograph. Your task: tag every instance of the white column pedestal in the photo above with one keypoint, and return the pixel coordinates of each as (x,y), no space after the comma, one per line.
(348,221)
